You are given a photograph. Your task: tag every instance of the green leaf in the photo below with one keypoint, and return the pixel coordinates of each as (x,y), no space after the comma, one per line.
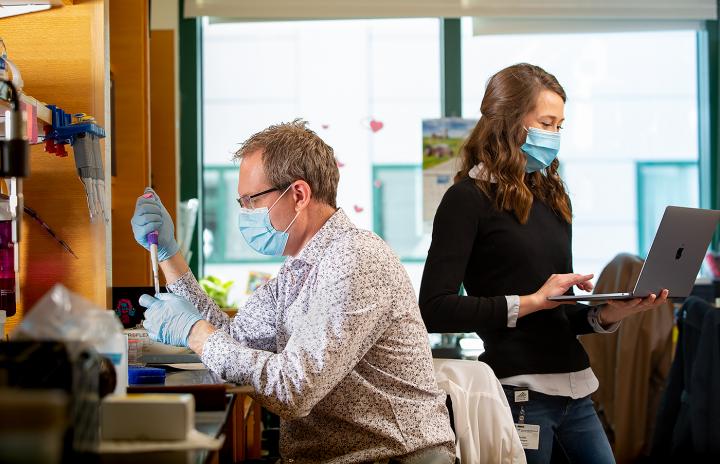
(217,289)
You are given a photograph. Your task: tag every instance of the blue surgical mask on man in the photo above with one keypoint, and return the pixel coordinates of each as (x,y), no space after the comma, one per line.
(541,148)
(258,231)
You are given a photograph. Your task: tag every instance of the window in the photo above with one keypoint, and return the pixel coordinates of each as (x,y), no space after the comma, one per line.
(222,240)
(363,85)
(661,184)
(397,210)
(366,85)
(632,98)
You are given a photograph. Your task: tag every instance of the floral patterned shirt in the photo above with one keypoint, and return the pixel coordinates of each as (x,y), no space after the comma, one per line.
(335,345)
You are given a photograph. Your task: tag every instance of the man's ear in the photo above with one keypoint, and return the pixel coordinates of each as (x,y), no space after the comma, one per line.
(302,194)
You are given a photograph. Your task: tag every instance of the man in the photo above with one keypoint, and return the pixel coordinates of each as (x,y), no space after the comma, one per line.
(335,344)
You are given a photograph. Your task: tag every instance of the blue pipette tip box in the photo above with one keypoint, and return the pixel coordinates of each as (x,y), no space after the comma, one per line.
(146,375)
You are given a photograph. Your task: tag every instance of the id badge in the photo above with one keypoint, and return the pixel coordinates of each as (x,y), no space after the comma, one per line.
(529,435)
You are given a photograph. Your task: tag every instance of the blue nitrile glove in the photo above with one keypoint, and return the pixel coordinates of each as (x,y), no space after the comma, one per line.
(169,318)
(150,215)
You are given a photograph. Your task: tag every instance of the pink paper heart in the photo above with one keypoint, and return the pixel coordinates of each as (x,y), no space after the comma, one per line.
(376,125)
(339,163)
(358,209)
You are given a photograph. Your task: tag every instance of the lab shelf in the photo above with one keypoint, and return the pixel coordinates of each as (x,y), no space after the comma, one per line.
(42,112)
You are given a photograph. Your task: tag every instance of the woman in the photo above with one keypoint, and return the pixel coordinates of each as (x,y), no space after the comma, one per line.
(503,230)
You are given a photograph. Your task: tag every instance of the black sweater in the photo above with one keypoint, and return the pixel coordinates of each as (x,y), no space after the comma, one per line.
(493,255)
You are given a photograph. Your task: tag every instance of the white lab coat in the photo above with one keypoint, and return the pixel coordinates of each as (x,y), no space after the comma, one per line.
(484,427)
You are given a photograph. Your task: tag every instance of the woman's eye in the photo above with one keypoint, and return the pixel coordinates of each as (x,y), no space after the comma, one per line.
(550,125)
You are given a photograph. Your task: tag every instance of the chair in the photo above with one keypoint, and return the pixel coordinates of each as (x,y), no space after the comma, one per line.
(483,423)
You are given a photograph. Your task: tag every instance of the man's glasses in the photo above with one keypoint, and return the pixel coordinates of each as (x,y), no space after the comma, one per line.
(246,201)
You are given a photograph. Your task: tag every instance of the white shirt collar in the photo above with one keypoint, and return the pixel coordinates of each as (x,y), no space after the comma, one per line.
(478,172)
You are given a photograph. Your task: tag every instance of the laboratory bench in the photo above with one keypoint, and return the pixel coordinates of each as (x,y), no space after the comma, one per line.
(51,401)
(221,408)
(213,423)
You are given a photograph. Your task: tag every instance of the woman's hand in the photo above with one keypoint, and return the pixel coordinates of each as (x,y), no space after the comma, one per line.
(556,285)
(617,310)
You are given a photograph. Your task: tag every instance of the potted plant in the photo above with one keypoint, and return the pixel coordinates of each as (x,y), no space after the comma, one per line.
(219,291)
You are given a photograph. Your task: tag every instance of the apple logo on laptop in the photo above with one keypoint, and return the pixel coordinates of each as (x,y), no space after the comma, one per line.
(679,252)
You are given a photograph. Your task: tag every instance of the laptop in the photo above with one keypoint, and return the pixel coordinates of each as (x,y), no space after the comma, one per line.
(680,244)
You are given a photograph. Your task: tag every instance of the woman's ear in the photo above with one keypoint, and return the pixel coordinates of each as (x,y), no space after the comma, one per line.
(302,194)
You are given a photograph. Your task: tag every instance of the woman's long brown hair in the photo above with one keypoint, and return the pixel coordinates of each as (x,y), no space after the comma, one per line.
(496,139)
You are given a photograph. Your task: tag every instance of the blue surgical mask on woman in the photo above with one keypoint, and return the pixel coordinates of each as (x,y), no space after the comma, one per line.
(541,148)
(258,231)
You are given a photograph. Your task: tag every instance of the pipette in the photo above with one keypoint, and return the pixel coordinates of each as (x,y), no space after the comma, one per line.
(82,132)
(84,162)
(152,239)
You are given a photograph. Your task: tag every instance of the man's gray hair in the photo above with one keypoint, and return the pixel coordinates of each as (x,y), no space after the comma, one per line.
(290,152)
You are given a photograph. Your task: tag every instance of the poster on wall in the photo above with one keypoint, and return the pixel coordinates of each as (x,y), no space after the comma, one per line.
(256,279)
(442,139)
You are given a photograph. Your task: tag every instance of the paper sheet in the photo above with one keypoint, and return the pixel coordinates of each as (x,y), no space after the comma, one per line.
(184,366)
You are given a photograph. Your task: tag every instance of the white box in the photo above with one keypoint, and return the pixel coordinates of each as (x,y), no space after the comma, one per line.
(148,416)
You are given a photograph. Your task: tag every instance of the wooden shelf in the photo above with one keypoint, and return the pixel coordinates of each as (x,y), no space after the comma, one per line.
(62,54)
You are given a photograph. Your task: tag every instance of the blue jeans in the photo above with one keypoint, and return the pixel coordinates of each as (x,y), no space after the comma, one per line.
(574,424)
